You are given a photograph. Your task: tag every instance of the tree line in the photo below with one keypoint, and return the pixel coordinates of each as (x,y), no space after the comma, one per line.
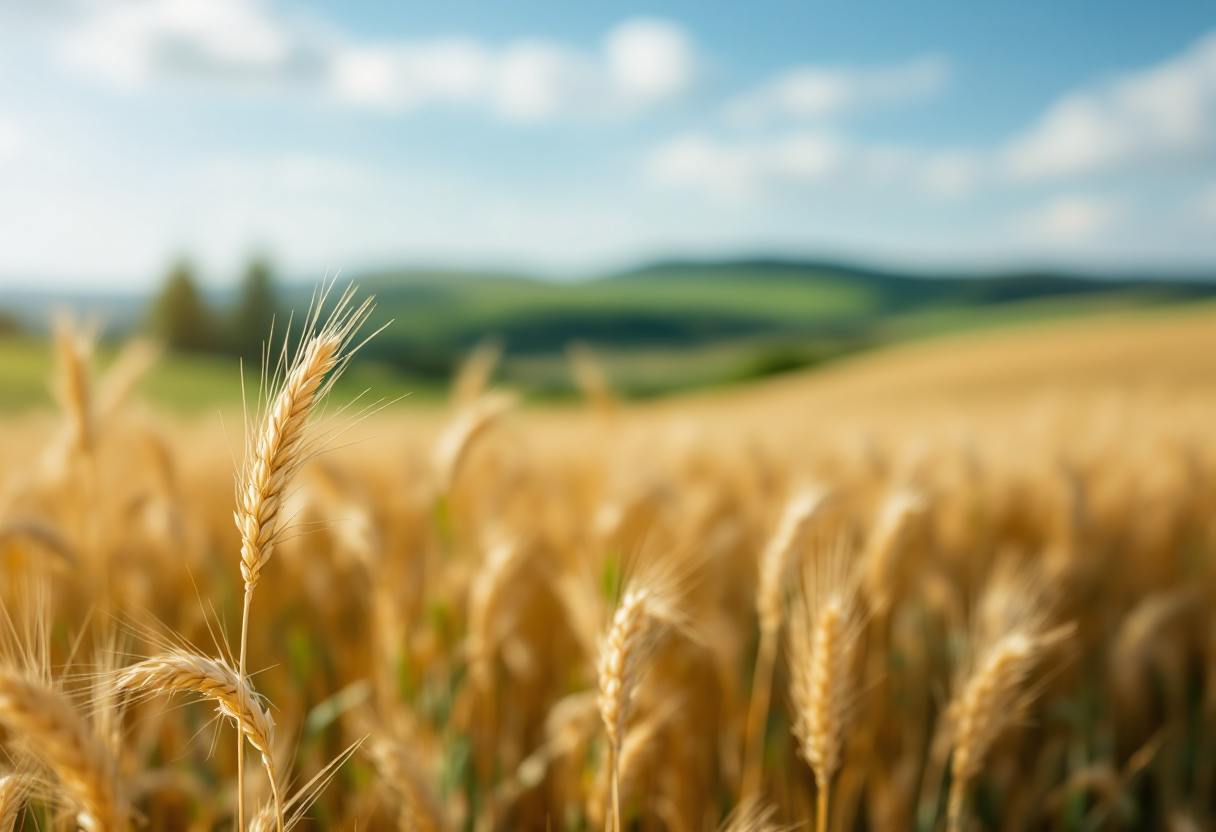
(181,316)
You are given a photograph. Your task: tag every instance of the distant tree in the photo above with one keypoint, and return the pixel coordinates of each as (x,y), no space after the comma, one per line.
(179,313)
(255,310)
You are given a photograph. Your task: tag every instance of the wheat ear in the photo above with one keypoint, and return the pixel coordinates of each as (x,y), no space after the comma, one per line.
(825,631)
(774,569)
(888,545)
(475,372)
(280,449)
(63,740)
(470,423)
(1011,636)
(502,561)
(751,816)
(625,649)
(215,681)
(397,764)
(74,387)
(14,790)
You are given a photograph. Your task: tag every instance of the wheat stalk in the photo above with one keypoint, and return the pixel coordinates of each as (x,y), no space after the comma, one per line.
(61,738)
(1012,633)
(266,817)
(887,546)
(640,618)
(638,750)
(421,809)
(138,356)
(825,631)
(800,511)
(475,372)
(470,423)
(751,816)
(280,447)
(215,681)
(501,562)
(74,386)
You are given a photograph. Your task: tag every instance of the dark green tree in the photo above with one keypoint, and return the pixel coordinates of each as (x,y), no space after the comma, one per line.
(255,310)
(180,315)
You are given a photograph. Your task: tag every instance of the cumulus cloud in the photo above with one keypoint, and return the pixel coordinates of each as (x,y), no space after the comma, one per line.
(1161,115)
(249,44)
(135,44)
(818,92)
(642,62)
(1069,218)
(747,169)
(1137,123)
(805,160)
(650,59)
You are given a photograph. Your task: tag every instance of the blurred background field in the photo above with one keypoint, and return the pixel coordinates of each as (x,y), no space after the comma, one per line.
(662,330)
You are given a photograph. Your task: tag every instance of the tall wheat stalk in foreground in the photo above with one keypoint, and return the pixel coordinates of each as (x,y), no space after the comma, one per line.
(278,446)
(1012,634)
(826,626)
(774,571)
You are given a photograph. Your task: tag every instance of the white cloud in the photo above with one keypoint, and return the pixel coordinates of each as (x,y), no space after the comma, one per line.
(643,62)
(817,92)
(1163,114)
(744,170)
(1068,219)
(134,44)
(753,168)
(408,77)
(246,44)
(650,59)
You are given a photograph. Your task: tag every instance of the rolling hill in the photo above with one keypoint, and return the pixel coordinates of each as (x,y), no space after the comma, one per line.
(756,316)
(665,327)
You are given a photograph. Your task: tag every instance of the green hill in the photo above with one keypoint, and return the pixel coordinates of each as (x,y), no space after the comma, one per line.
(657,329)
(727,319)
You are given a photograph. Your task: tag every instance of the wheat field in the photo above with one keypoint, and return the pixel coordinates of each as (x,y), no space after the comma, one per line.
(962,584)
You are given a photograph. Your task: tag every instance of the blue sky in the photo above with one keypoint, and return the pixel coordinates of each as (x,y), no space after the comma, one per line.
(572,138)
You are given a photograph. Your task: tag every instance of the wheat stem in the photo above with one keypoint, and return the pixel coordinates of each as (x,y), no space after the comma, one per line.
(774,570)
(757,712)
(281,449)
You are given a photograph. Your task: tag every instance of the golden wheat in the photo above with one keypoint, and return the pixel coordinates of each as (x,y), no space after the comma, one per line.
(825,633)
(476,610)
(59,737)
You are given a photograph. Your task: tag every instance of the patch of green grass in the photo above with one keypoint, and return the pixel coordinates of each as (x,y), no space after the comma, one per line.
(946,320)
(191,382)
(25,374)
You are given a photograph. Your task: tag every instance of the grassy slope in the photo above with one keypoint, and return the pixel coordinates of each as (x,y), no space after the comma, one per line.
(198,383)
(666,328)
